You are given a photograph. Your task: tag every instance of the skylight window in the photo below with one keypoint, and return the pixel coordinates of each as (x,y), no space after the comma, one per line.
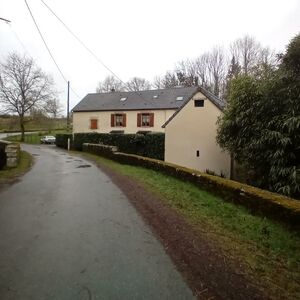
(179,98)
(123,99)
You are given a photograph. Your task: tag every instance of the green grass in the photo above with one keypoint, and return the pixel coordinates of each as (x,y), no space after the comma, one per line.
(11,123)
(268,251)
(34,138)
(7,174)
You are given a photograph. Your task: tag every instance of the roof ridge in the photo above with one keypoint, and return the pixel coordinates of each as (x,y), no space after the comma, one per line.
(149,90)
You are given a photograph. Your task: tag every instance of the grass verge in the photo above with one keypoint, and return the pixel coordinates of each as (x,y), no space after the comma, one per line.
(9,174)
(268,252)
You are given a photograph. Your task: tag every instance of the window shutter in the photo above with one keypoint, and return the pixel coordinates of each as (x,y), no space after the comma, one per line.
(151,119)
(94,124)
(112,120)
(139,120)
(124,120)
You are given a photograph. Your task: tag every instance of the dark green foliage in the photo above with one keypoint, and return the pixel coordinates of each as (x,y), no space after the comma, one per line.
(62,140)
(233,72)
(100,150)
(149,145)
(261,125)
(291,60)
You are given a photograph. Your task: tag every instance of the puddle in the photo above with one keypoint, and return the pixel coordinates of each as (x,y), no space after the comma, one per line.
(34,154)
(67,161)
(84,166)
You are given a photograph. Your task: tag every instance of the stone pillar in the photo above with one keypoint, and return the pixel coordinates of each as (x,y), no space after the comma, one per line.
(12,151)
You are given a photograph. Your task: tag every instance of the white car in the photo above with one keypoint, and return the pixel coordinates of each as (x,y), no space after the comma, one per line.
(48,139)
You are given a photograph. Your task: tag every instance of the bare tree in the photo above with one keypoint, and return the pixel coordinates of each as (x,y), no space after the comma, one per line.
(186,73)
(208,70)
(186,67)
(109,84)
(217,70)
(170,80)
(138,84)
(53,107)
(201,69)
(246,50)
(23,86)
(158,83)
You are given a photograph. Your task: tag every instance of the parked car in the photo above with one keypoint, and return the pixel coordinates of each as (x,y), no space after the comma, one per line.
(48,139)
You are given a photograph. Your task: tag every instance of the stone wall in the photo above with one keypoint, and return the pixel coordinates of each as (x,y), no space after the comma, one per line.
(12,153)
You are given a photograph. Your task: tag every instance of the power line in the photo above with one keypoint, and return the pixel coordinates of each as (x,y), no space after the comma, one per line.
(48,49)
(18,38)
(87,48)
(82,43)
(5,20)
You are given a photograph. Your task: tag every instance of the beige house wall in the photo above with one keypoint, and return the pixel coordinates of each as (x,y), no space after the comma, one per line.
(81,121)
(194,129)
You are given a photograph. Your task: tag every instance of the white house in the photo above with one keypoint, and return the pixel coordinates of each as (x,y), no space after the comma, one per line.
(187,115)
(128,112)
(190,135)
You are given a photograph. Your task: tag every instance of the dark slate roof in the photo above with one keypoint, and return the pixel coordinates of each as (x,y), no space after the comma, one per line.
(166,99)
(214,99)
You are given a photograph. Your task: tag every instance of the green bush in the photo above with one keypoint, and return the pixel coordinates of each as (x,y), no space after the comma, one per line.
(62,140)
(149,145)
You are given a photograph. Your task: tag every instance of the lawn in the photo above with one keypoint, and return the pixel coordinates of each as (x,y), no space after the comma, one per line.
(11,123)
(267,250)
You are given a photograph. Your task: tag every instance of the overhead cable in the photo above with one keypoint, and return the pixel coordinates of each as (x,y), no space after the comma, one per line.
(87,48)
(48,49)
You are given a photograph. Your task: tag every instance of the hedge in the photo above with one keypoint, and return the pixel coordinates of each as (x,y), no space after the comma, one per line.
(61,140)
(258,201)
(148,145)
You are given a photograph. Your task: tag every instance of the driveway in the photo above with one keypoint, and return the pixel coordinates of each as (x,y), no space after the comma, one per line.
(67,232)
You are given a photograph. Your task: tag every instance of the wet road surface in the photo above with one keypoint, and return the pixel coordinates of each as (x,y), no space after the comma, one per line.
(67,232)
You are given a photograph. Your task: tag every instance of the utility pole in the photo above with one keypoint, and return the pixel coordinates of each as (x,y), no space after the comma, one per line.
(68,106)
(5,20)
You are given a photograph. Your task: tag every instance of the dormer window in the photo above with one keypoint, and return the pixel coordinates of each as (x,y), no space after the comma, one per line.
(123,99)
(179,98)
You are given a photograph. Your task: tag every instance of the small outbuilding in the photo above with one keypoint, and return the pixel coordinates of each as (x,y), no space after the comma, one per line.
(190,135)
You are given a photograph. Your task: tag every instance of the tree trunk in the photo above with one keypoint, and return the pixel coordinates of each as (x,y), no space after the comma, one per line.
(22,129)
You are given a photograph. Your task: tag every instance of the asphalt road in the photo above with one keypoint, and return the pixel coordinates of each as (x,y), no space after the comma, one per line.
(67,232)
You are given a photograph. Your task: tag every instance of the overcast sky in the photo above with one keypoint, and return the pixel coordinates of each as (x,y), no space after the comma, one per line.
(136,37)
